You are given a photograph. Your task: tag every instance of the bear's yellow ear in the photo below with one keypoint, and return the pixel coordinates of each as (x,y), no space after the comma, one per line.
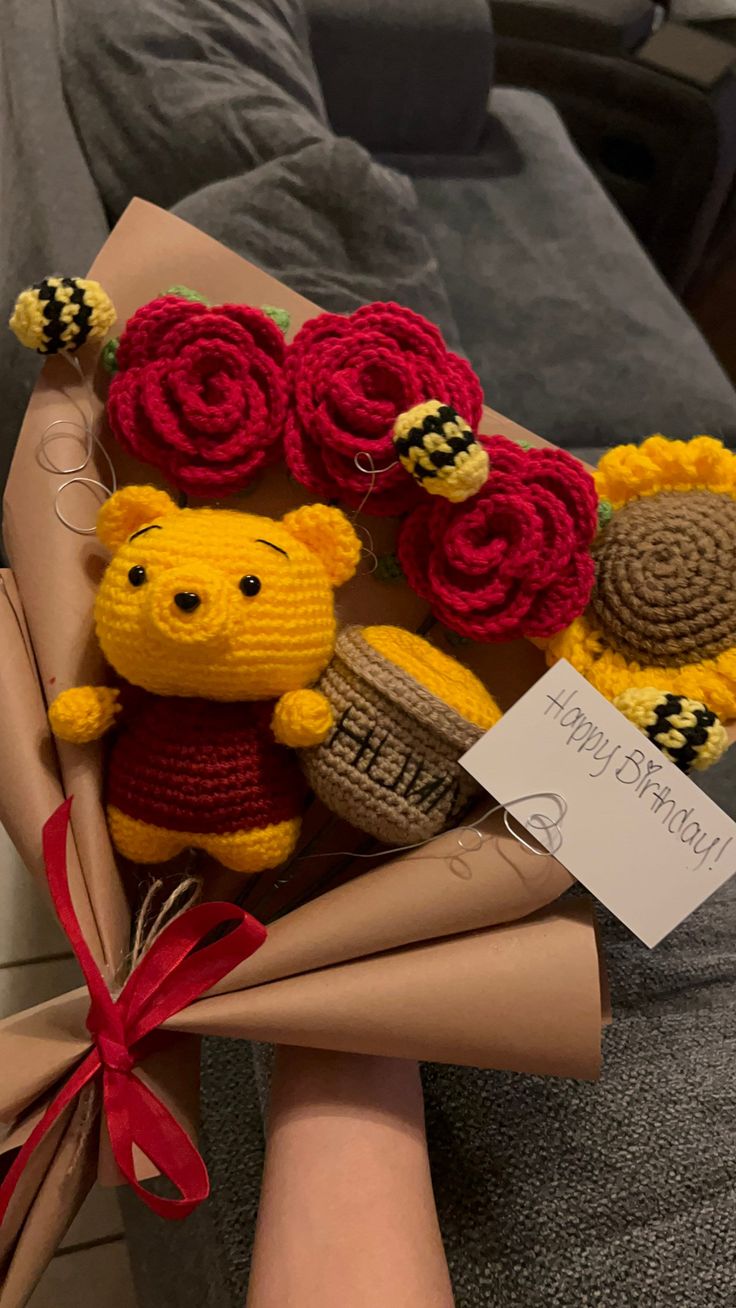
(127,510)
(329,535)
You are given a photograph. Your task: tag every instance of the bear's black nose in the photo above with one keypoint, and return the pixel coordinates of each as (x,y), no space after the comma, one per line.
(187,600)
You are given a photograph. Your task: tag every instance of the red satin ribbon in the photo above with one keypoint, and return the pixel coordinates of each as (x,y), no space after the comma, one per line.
(176,970)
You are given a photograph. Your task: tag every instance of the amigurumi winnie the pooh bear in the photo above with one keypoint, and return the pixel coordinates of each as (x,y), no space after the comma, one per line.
(219,622)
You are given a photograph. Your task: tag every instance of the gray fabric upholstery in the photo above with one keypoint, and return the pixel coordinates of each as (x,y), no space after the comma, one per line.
(559,339)
(605,25)
(652,113)
(51,217)
(284,216)
(403,93)
(169,96)
(570,327)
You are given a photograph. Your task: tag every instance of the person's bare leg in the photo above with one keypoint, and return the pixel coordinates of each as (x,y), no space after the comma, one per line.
(347,1216)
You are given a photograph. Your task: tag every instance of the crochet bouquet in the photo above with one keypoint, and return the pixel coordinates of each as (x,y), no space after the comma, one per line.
(273,572)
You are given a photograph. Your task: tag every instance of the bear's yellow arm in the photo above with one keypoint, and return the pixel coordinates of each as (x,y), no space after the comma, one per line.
(84,713)
(302,718)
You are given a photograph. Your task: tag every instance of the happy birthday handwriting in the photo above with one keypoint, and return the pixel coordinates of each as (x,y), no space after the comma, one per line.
(637,772)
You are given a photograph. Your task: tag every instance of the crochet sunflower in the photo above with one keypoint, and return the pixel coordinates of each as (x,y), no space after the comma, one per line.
(659,635)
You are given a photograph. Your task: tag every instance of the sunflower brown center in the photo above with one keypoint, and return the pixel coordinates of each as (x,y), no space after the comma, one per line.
(665,590)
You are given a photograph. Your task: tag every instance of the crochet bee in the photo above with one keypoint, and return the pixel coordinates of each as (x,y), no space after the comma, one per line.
(687,733)
(62,314)
(440,451)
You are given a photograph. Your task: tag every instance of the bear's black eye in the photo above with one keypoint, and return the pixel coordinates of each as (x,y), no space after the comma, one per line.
(137,575)
(250,585)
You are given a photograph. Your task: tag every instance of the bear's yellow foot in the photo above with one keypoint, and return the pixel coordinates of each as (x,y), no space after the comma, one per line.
(253,851)
(142,842)
(241,851)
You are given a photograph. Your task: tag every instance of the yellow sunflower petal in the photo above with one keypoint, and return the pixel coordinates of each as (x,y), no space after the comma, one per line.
(712,680)
(630,472)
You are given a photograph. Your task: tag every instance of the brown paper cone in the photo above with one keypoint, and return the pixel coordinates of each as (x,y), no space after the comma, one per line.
(440,890)
(39,1046)
(28,764)
(56,572)
(522,997)
(31,788)
(50,1194)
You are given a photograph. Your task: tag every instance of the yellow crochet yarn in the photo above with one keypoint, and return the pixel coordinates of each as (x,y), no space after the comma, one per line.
(440,451)
(712,680)
(202,605)
(62,313)
(276,639)
(684,729)
(630,472)
(329,535)
(449,680)
(302,718)
(241,851)
(698,470)
(84,713)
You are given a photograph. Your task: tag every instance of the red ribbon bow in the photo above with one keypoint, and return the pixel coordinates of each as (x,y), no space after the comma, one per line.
(178,968)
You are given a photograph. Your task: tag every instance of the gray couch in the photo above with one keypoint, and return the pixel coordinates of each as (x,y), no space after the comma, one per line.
(550,1194)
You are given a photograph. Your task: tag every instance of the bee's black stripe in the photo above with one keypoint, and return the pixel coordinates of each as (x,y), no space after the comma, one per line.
(415,439)
(51,310)
(423,474)
(54,326)
(696,736)
(82,319)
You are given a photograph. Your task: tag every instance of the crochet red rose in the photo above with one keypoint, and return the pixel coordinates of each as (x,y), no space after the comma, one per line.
(515,559)
(349,379)
(200,392)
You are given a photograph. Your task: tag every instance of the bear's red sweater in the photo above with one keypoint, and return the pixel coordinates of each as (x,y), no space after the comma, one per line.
(201,766)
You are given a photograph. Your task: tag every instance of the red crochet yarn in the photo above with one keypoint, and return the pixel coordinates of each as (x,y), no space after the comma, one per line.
(200,392)
(349,378)
(199,765)
(515,559)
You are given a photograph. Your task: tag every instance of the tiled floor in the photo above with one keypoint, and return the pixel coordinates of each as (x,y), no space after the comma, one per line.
(92,1265)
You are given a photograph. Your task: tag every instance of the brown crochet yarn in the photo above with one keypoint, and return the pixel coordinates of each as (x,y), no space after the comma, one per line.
(390,766)
(665,591)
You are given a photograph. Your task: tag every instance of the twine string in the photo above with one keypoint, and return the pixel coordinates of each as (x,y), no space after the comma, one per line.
(184,896)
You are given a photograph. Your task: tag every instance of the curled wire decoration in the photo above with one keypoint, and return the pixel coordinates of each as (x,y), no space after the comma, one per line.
(537,822)
(79,481)
(470,838)
(82,431)
(364,462)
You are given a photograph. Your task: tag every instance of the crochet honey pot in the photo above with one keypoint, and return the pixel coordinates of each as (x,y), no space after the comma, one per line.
(404,714)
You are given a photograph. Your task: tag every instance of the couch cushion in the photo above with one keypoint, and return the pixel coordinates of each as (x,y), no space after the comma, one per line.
(386,70)
(51,217)
(169,95)
(569,324)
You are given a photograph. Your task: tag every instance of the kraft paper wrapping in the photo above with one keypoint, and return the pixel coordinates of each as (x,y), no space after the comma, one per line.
(455,952)
(52,1189)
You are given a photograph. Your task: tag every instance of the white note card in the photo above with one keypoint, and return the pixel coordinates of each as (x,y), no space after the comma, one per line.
(629,825)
